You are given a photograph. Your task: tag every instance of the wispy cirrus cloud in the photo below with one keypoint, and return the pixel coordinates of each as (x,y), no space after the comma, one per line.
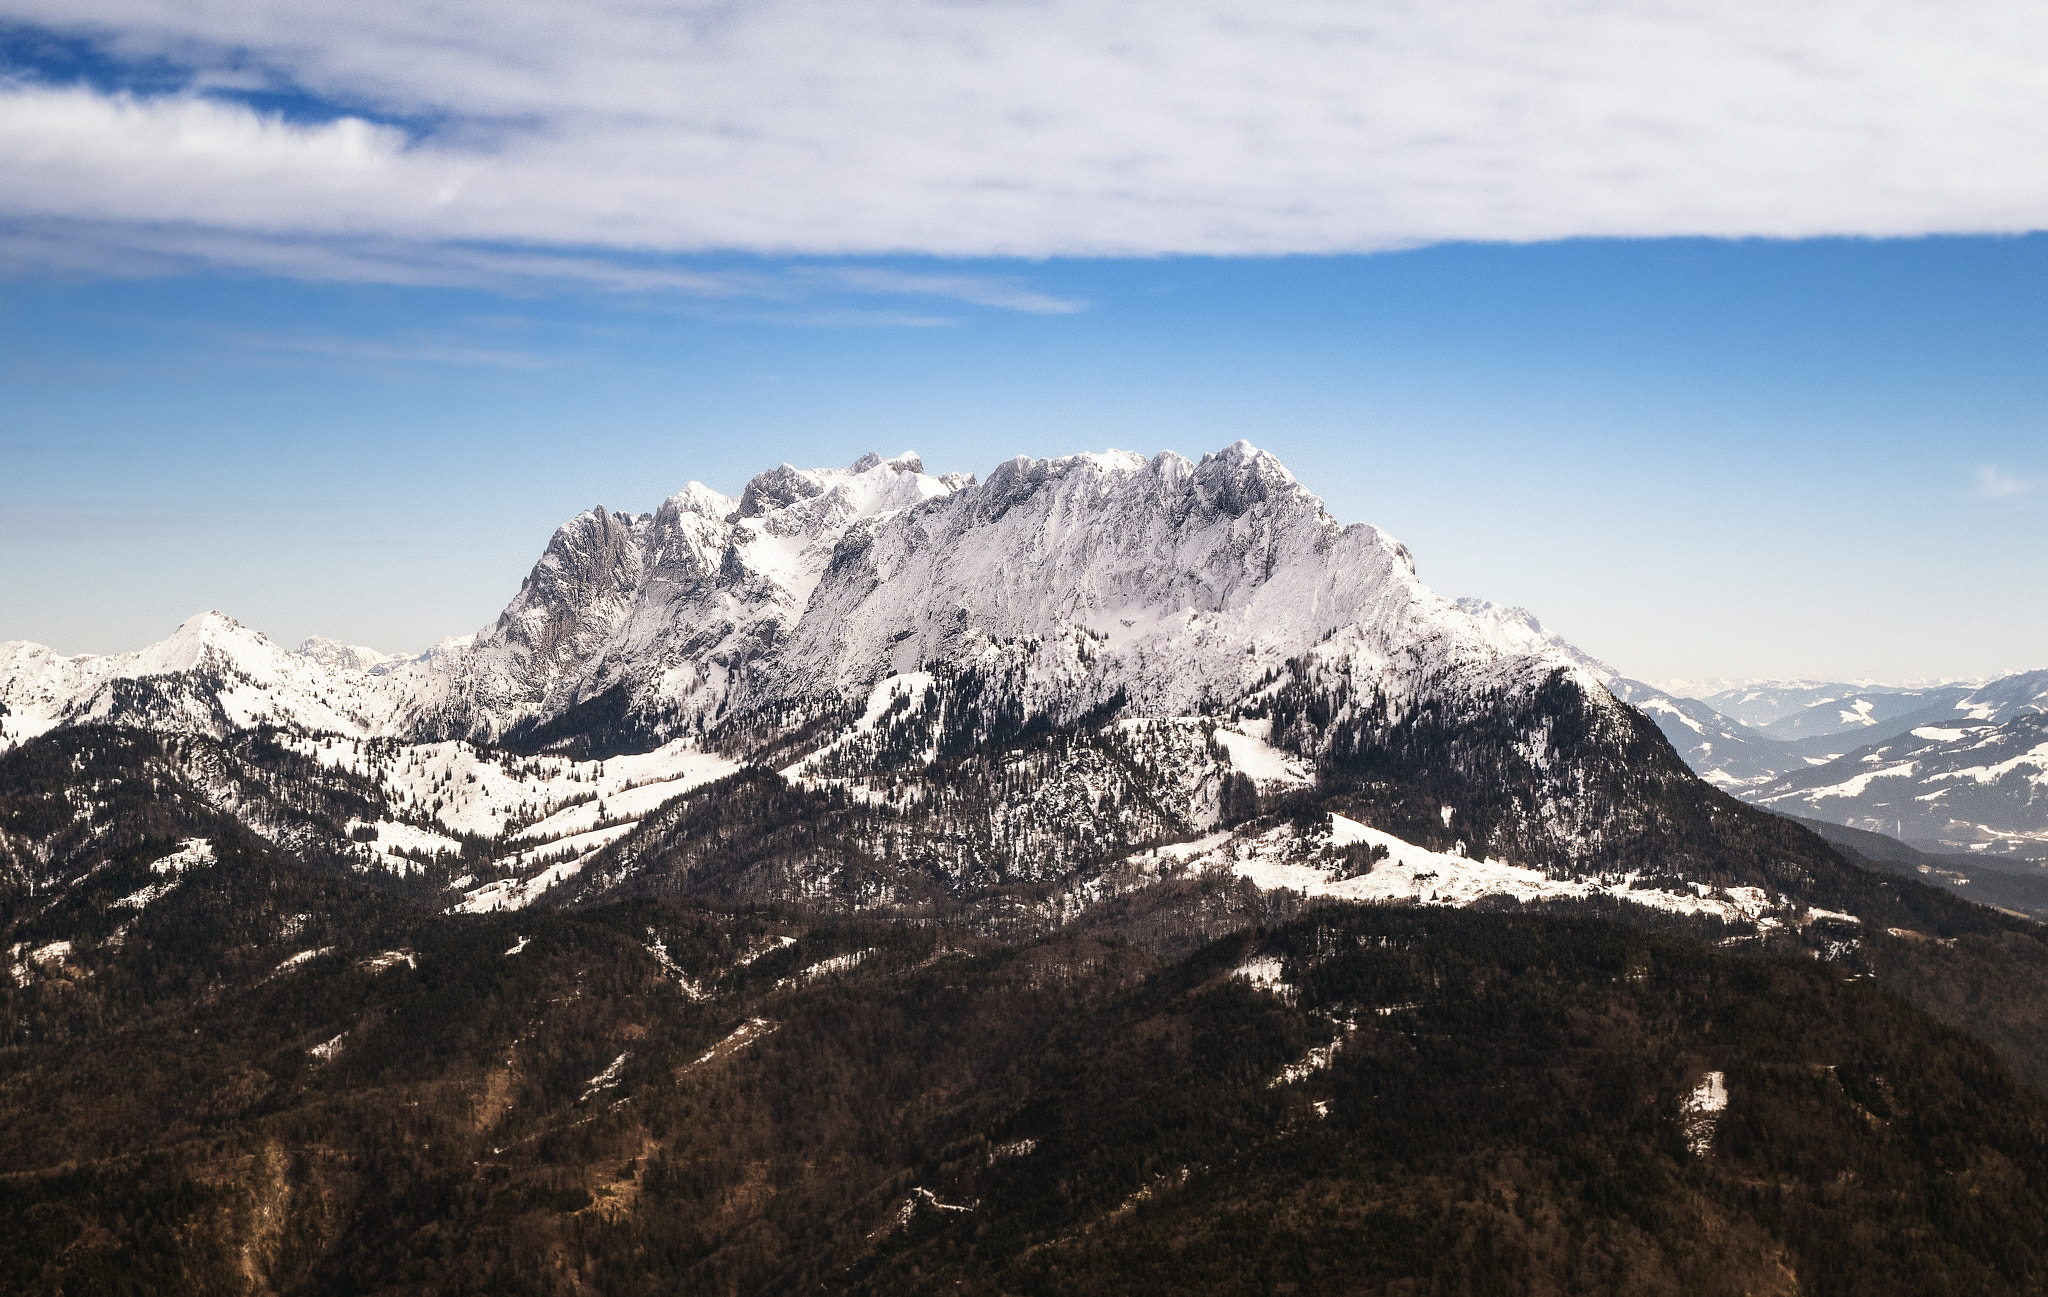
(1008,128)
(394,351)
(972,289)
(112,249)
(1994,483)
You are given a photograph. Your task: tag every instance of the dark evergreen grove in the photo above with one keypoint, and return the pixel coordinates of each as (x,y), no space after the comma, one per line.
(697,1085)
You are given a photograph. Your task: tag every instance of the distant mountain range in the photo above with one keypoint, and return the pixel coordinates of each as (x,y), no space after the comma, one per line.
(1955,768)
(1803,709)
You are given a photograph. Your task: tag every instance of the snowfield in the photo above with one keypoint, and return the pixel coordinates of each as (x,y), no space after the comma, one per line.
(1415,875)
(669,773)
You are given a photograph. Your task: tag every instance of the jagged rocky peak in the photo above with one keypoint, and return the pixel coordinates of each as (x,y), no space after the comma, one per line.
(344,657)
(675,606)
(777,487)
(1241,476)
(1165,584)
(591,553)
(697,500)
(786,484)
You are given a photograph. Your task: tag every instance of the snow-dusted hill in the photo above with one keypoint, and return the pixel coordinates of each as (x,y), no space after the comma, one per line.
(1958,767)
(1788,710)
(1805,725)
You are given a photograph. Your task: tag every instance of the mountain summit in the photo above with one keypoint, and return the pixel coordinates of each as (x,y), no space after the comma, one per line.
(1166,585)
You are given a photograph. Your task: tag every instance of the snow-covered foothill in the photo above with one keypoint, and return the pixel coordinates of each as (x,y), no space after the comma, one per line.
(1277,858)
(1966,784)
(669,773)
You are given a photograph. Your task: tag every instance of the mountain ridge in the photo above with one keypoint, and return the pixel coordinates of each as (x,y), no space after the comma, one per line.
(692,606)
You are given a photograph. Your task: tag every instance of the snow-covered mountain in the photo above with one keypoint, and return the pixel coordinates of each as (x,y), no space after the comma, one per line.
(348,657)
(1968,783)
(211,675)
(1166,585)
(1789,710)
(988,684)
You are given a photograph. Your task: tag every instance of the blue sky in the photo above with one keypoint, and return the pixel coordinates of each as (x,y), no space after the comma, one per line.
(1788,427)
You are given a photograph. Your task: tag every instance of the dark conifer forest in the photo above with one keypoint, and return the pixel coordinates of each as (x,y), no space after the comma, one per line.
(277,1077)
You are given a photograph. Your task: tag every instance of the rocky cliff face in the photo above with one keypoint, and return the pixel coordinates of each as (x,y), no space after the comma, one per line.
(1150,587)
(675,610)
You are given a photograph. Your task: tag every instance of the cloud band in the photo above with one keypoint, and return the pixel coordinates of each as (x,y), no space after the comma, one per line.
(1040,129)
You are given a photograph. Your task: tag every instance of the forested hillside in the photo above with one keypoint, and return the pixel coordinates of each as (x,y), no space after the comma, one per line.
(269,1081)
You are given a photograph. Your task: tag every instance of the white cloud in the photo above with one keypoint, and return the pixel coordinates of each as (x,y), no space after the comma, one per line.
(1994,483)
(1049,127)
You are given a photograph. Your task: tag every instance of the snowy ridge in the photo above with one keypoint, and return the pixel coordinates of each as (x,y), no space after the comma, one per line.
(1956,766)
(1969,785)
